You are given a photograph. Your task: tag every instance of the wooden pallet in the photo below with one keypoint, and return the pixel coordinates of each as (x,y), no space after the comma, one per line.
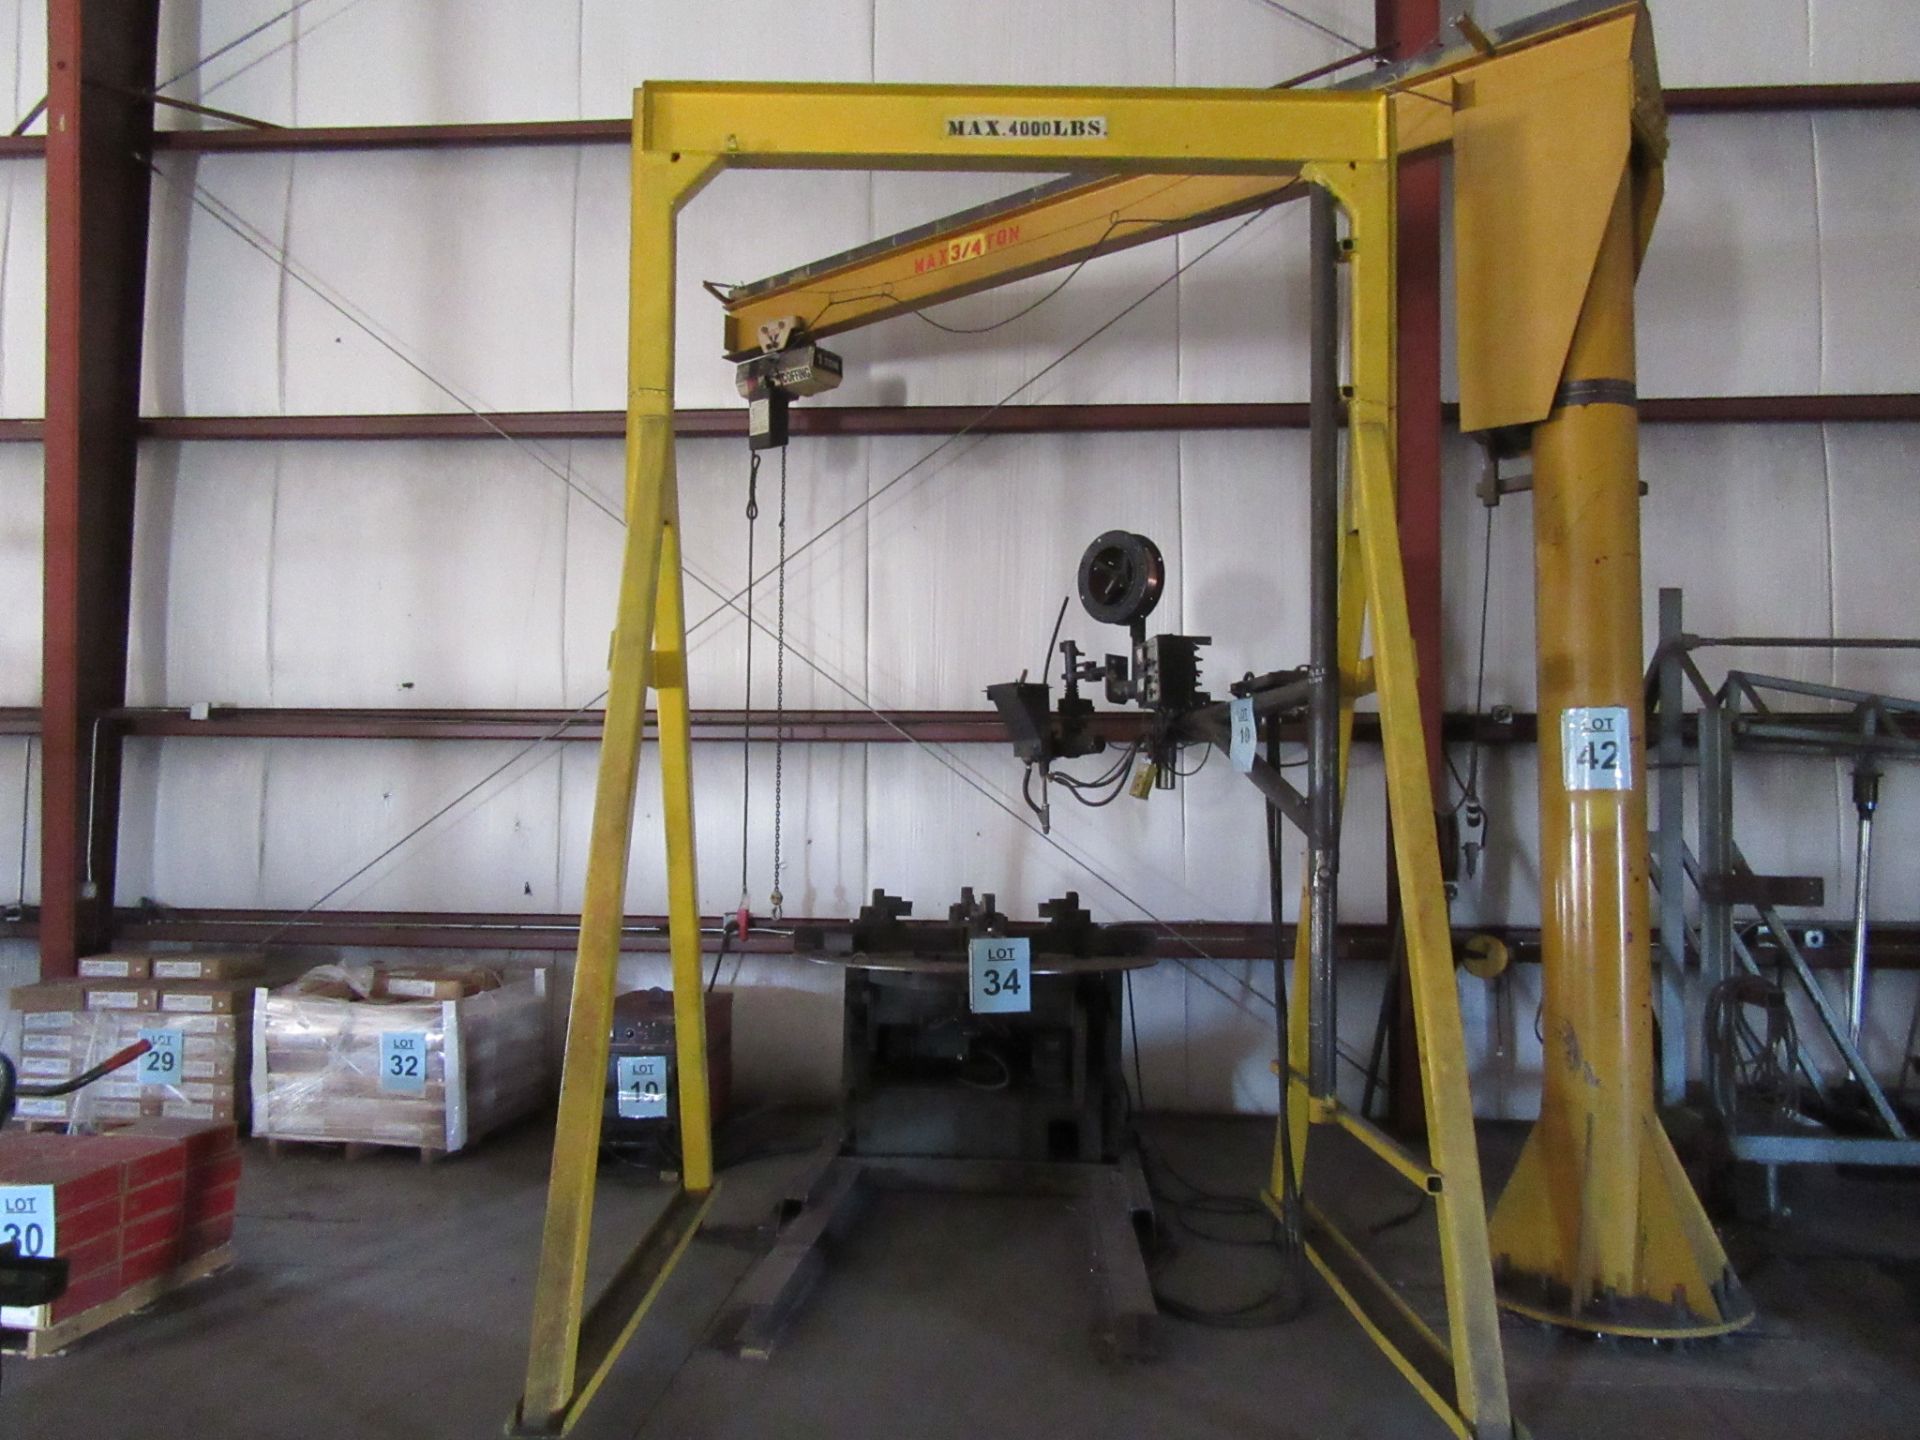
(39,1344)
(278,1146)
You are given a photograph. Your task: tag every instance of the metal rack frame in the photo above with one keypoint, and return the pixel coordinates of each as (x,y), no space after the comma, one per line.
(1741,714)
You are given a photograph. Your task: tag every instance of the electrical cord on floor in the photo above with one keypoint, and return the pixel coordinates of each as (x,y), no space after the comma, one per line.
(1191,1206)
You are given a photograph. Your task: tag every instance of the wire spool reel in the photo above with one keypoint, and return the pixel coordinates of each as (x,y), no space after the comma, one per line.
(1485,957)
(1122,576)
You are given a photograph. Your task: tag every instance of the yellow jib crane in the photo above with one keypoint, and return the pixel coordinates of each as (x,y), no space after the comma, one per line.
(1557,132)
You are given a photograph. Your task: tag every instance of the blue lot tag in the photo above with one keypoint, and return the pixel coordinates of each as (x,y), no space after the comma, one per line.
(1000,975)
(403,1062)
(27,1220)
(161,1064)
(641,1087)
(1244,737)
(1596,748)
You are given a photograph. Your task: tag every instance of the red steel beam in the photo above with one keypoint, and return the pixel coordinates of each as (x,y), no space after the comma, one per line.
(1681,100)
(828,727)
(100,57)
(853,420)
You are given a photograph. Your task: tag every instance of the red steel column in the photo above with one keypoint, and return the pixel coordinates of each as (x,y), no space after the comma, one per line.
(1404,28)
(100,63)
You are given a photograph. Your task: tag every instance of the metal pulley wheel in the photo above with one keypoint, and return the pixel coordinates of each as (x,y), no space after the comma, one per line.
(1121,577)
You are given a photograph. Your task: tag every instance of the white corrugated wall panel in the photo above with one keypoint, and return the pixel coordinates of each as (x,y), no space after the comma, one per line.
(1005,42)
(1471,549)
(1241,576)
(438,61)
(433,580)
(1005,341)
(826,581)
(464,260)
(1253,44)
(23,70)
(193,824)
(21,539)
(1864,41)
(1736,517)
(745,225)
(826,584)
(623,44)
(1729,297)
(23,286)
(824,829)
(973,552)
(1869,211)
(1705,42)
(204,59)
(391,575)
(216,294)
(1244,309)
(201,627)
(1876,551)
(19,820)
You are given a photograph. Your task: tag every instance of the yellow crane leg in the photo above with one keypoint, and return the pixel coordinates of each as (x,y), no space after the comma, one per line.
(1599,1228)
(573,1345)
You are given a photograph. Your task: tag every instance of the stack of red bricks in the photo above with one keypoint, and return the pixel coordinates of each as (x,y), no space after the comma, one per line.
(126,1209)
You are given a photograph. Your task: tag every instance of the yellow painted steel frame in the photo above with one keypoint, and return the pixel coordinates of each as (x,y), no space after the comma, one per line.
(684,133)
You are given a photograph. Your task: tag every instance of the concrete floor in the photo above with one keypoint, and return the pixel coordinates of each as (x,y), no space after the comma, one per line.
(386,1299)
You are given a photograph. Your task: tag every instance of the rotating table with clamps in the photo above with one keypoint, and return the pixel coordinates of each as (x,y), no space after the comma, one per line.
(965,1074)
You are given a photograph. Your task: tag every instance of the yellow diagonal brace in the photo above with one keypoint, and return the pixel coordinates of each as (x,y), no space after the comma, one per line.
(1473,1322)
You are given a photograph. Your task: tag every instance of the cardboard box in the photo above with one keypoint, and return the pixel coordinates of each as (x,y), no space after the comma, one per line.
(206,1082)
(120,995)
(49,996)
(210,965)
(37,1107)
(206,997)
(115,967)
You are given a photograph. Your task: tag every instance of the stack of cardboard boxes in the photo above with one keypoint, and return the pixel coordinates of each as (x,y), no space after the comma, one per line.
(131,1211)
(195,1011)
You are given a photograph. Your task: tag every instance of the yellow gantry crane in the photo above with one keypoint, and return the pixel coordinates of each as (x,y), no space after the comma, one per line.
(1557,134)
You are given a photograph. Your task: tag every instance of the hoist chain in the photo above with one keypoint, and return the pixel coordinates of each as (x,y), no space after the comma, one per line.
(746,718)
(777,900)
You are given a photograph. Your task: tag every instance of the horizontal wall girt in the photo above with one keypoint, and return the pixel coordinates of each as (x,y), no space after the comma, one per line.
(1682,100)
(837,727)
(1895,945)
(856,420)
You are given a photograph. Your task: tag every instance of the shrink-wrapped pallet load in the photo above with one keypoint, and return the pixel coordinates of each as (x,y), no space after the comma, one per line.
(349,1055)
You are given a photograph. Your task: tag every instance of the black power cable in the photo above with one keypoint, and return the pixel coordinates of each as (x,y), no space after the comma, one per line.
(1193,1205)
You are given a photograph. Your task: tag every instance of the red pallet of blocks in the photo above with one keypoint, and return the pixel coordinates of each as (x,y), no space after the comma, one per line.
(135,1212)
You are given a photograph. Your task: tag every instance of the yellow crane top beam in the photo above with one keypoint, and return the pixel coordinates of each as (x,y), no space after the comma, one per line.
(1069,220)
